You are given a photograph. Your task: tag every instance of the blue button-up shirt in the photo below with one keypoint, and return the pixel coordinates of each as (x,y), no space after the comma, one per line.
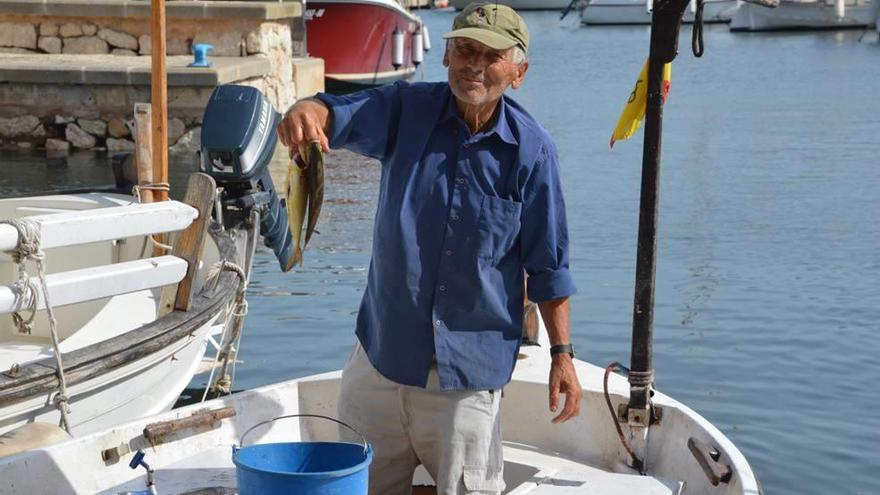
(460,218)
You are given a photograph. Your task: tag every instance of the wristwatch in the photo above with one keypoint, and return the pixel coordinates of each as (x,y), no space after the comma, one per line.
(562,349)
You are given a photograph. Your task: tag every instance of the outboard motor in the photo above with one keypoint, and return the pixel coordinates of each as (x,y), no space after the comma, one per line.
(238,140)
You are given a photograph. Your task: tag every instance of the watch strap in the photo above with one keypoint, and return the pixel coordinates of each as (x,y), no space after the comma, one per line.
(562,349)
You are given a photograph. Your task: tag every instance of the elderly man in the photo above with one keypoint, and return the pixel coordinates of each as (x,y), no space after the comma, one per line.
(470,201)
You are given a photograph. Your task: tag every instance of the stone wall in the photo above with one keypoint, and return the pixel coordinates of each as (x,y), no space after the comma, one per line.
(41,112)
(130,37)
(62,117)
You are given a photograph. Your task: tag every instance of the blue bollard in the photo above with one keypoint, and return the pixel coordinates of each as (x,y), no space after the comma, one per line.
(200,51)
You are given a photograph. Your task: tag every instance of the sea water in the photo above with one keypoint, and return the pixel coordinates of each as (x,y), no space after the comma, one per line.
(767,297)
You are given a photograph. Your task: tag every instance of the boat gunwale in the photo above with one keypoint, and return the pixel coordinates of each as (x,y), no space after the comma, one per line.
(39,377)
(388,5)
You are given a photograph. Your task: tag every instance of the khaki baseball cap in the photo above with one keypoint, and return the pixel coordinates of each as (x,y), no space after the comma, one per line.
(497,26)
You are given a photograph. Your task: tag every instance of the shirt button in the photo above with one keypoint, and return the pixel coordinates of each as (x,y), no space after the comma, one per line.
(438,323)
(454,217)
(460,181)
(442,288)
(448,252)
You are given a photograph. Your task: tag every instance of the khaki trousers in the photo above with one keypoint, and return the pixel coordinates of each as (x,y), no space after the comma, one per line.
(455,435)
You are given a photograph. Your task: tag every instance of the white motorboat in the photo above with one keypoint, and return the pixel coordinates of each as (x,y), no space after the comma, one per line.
(793,15)
(520,4)
(617,12)
(131,324)
(122,355)
(193,454)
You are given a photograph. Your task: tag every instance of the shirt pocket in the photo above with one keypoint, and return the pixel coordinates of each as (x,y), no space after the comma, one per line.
(498,227)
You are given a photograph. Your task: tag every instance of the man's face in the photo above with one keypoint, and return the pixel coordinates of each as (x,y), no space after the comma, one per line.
(478,74)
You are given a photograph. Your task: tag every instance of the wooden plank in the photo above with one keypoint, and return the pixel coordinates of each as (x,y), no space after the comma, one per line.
(102,224)
(98,282)
(144,148)
(191,243)
(156,433)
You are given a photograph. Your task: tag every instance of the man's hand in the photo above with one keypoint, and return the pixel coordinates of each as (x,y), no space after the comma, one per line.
(303,123)
(564,380)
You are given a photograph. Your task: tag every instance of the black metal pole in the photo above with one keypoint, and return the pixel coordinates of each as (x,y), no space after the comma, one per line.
(665,24)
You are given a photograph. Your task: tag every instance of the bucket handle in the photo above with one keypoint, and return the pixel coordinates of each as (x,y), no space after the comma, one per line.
(243,435)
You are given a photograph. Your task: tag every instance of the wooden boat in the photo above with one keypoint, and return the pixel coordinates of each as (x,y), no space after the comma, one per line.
(803,15)
(123,354)
(190,448)
(617,12)
(364,43)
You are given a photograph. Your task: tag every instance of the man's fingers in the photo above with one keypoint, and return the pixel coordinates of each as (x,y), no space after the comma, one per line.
(554,394)
(281,133)
(571,408)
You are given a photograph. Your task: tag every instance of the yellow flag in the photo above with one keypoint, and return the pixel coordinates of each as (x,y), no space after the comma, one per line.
(634,111)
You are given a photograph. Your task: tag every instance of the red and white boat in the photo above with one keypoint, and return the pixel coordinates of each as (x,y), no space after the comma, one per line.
(364,42)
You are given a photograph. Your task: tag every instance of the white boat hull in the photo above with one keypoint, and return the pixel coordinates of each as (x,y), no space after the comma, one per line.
(142,388)
(802,15)
(540,458)
(616,12)
(119,369)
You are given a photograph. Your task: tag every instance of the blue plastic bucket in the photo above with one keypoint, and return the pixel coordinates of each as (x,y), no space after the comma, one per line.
(303,468)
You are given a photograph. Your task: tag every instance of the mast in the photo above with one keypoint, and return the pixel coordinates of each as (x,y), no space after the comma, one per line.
(159,99)
(665,24)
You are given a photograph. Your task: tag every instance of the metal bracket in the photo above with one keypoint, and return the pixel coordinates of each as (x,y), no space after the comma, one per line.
(708,458)
(637,417)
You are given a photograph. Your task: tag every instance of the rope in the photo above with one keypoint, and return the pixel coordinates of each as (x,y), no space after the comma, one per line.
(28,248)
(641,378)
(232,327)
(152,186)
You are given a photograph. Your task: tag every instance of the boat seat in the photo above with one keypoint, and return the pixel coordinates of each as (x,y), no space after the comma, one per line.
(571,482)
(533,471)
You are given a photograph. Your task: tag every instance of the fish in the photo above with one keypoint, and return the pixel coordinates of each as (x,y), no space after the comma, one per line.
(296,197)
(314,159)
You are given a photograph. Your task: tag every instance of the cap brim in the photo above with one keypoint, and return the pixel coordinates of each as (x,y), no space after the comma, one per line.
(491,39)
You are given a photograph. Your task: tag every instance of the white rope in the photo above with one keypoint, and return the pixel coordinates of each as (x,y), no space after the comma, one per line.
(29,249)
(231,330)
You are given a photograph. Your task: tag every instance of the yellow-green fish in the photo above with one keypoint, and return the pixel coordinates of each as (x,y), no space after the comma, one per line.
(296,195)
(314,159)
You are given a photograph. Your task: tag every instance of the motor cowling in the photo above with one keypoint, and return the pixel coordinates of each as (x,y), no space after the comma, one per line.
(238,141)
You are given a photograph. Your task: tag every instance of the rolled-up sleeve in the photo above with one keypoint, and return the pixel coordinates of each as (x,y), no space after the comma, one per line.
(544,234)
(364,122)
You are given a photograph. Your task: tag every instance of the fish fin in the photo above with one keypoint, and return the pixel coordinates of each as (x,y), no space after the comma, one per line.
(298,256)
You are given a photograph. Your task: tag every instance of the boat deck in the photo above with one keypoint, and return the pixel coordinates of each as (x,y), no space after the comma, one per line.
(528,470)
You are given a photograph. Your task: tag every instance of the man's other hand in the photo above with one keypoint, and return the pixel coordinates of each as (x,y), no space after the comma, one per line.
(303,123)
(564,380)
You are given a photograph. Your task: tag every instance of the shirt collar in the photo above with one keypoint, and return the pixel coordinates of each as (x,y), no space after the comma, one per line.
(501,126)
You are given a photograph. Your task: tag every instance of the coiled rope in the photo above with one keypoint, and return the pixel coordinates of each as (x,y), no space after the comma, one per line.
(28,248)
